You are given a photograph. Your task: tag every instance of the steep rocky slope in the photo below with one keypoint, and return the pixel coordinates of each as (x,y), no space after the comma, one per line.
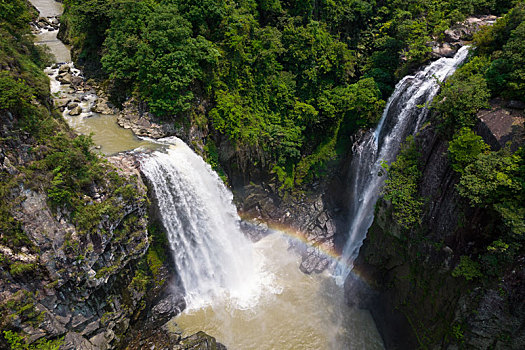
(412,291)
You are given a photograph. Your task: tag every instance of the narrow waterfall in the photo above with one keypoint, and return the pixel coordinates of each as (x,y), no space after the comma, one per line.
(212,256)
(402,117)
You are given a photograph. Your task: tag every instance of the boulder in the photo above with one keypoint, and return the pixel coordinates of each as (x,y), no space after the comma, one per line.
(102,107)
(72,105)
(76,81)
(64,78)
(75,111)
(199,341)
(444,50)
(64,69)
(61,102)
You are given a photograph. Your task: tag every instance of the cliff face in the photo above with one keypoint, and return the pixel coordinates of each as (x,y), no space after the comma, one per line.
(67,277)
(411,290)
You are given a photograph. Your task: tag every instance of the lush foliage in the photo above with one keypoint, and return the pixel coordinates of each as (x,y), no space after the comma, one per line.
(459,101)
(493,180)
(17,342)
(503,46)
(464,148)
(284,81)
(401,186)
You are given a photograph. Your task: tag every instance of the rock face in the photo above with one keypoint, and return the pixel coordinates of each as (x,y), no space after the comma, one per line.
(81,287)
(411,292)
(134,116)
(503,123)
(459,35)
(313,217)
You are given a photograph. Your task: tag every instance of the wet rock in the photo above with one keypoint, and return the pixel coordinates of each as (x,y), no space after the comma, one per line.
(76,81)
(358,293)
(314,261)
(61,102)
(102,107)
(64,78)
(71,105)
(199,341)
(255,230)
(63,69)
(166,309)
(75,111)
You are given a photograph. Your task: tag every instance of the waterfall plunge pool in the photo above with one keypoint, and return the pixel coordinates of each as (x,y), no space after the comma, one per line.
(299,312)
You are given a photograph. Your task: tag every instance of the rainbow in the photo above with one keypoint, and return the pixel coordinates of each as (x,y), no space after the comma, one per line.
(297,236)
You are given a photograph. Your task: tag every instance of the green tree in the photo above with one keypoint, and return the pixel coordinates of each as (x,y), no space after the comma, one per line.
(459,101)
(464,149)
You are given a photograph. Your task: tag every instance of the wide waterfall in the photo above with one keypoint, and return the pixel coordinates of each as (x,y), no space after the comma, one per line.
(404,114)
(212,256)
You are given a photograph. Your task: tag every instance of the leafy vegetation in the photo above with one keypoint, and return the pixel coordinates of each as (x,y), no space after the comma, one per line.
(17,342)
(489,179)
(284,81)
(464,148)
(401,186)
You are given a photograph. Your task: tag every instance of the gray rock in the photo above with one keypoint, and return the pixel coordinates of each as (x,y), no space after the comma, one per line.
(444,50)
(167,308)
(199,341)
(64,69)
(75,341)
(514,104)
(64,78)
(330,228)
(76,81)
(61,102)
(102,107)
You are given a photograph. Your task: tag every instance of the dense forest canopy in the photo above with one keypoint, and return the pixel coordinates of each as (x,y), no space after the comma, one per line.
(285,81)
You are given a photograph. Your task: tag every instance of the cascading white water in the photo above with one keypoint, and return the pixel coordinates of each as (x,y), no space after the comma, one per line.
(403,115)
(213,257)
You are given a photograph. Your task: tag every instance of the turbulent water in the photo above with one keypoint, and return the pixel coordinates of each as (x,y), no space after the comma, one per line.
(248,295)
(212,256)
(402,117)
(302,312)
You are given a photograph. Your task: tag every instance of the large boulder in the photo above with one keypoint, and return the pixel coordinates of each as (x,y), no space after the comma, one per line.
(75,111)
(102,107)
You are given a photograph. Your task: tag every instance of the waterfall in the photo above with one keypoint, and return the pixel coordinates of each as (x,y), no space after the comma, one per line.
(213,258)
(403,116)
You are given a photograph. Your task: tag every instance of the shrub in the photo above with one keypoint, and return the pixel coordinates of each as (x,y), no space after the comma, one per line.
(467,268)
(465,148)
(402,184)
(459,101)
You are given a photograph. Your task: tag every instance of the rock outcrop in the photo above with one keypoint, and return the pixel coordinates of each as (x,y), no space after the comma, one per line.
(459,35)
(134,116)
